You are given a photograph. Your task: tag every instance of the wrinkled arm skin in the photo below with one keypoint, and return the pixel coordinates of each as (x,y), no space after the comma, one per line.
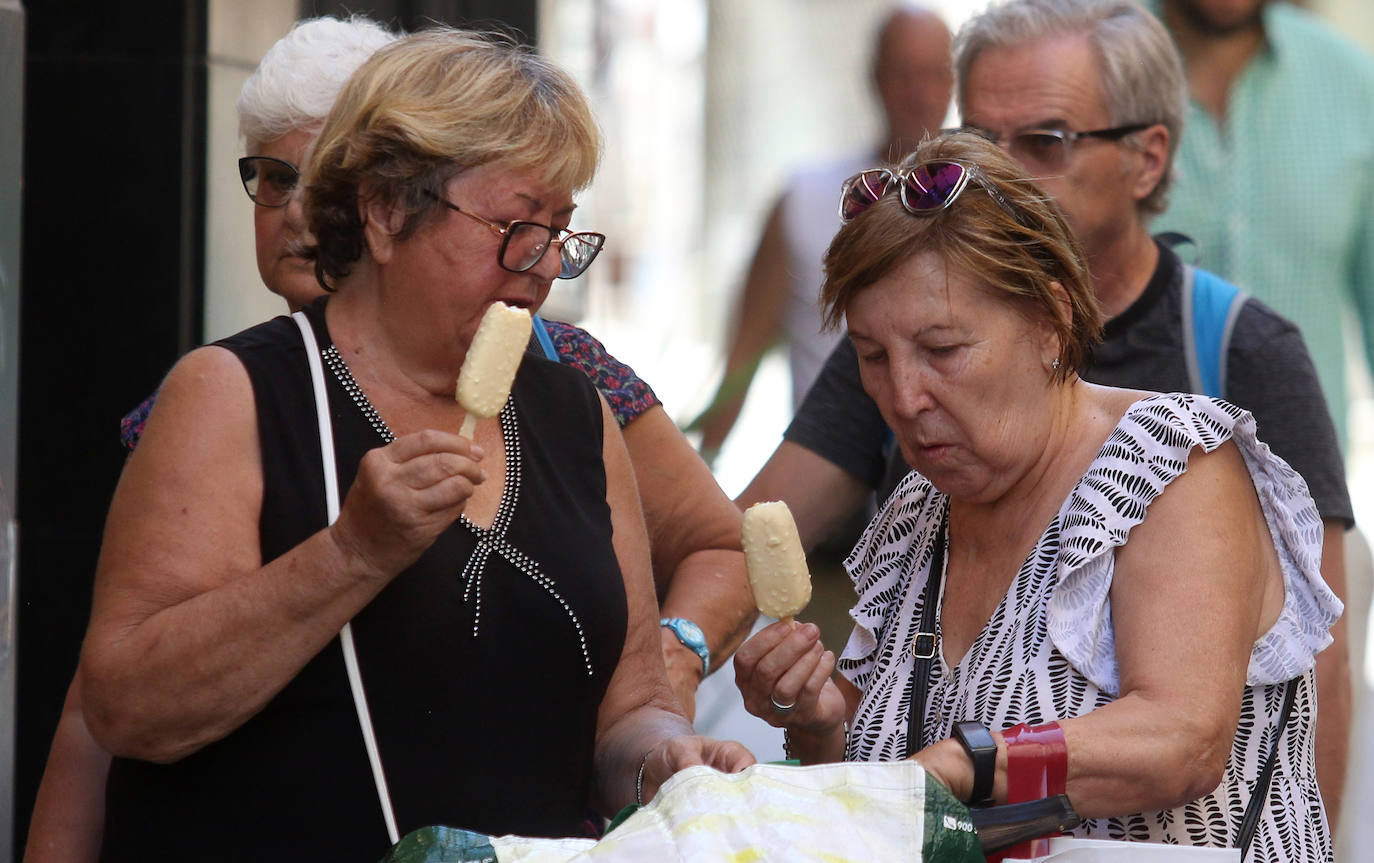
(694,534)
(639,720)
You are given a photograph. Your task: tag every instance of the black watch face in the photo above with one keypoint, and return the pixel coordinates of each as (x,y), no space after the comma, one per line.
(976,736)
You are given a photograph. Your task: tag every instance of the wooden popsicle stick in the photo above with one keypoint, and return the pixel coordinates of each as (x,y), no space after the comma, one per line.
(469,426)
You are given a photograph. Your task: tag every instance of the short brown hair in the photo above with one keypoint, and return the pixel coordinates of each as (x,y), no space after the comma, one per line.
(426,107)
(1016,247)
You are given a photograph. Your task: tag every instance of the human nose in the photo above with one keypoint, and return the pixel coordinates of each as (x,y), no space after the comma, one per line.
(295,210)
(909,385)
(550,262)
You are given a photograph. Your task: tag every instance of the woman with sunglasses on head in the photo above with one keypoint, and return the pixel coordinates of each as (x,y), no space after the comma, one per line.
(499,592)
(1110,592)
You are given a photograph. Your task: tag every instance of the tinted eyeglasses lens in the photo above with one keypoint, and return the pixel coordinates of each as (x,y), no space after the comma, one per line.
(933,186)
(578,251)
(862,191)
(269,182)
(1039,150)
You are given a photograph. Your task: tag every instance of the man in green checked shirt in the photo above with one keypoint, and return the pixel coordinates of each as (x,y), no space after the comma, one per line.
(1276,168)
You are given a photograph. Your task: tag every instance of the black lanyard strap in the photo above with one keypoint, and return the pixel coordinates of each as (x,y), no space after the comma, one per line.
(925,644)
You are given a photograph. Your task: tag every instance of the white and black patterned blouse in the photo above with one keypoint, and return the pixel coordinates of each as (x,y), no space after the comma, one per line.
(1048,653)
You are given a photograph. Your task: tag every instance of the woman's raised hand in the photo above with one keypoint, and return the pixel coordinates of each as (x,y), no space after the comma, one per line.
(783,672)
(405,495)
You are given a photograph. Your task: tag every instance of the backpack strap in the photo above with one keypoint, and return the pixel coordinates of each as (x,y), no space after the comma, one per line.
(1210,308)
(541,335)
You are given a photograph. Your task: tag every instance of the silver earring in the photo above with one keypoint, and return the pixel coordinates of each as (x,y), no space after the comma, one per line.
(1055,364)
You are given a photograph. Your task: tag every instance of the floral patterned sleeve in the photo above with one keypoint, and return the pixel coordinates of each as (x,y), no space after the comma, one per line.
(131,427)
(627,394)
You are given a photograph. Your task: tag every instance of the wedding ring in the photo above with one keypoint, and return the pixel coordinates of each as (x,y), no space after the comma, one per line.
(782,708)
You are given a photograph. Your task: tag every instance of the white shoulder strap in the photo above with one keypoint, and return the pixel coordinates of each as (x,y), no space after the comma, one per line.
(331,503)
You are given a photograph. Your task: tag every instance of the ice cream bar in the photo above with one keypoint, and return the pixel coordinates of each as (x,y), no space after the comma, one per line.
(489,370)
(773,555)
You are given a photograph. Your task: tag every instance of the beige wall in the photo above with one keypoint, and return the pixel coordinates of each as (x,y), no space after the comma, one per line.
(241,31)
(1355,18)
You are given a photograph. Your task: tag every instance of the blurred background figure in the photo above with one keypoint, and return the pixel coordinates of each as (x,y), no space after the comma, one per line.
(778,303)
(1276,169)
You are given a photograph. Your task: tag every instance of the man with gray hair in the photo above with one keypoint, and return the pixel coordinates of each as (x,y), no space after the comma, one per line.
(1089,96)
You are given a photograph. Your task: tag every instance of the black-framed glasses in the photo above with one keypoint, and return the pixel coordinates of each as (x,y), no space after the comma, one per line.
(523,244)
(269,182)
(1048,149)
(925,188)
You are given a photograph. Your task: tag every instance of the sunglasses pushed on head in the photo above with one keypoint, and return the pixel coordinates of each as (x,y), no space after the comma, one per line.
(925,189)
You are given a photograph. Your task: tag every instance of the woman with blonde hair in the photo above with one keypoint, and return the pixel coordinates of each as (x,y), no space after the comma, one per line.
(498,591)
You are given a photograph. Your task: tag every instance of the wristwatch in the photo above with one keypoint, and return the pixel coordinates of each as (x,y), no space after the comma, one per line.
(691,637)
(982,750)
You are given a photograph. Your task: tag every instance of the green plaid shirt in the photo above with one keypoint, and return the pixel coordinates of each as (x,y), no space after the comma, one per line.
(1280,197)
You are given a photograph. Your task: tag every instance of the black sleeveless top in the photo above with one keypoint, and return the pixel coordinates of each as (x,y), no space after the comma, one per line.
(484,663)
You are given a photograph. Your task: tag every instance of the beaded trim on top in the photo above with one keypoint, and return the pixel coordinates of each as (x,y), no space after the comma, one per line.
(491,539)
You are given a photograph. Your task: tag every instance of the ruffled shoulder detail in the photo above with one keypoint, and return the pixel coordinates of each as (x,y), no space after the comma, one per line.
(1147,450)
(889,564)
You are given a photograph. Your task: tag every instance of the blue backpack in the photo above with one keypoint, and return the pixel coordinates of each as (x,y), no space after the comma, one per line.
(1210,308)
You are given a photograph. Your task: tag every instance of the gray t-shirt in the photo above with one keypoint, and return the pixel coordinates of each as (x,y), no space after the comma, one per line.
(1269,373)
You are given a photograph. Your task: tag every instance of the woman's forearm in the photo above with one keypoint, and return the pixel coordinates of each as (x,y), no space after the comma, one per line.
(1121,758)
(710,588)
(626,746)
(1125,757)
(694,539)
(69,812)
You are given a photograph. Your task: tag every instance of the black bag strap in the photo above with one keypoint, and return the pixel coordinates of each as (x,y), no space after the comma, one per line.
(1260,797)
(925,643)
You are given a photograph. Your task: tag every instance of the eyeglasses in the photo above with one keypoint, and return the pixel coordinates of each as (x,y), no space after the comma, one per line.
(925,189)
(1048,149)
(269,182)
(523,244)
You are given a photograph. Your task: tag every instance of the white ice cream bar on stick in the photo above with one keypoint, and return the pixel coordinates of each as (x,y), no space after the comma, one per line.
(489,369)
(773,555)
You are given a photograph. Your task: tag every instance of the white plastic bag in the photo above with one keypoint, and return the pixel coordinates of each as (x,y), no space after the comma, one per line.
(860,812)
